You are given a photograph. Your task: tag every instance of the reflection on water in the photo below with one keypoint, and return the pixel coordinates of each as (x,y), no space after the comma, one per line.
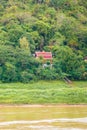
(43,118)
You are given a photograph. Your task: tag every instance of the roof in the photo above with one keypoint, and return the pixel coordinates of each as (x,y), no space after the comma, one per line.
(85,58)
(45,55)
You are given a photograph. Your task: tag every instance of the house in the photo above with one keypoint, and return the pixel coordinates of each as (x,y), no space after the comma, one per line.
(85,59)
(46,56)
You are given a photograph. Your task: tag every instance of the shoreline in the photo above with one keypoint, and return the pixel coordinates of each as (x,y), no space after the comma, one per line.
(43,105)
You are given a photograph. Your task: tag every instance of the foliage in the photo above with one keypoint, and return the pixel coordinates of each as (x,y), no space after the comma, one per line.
(69,62)
(59,26)
(9,73)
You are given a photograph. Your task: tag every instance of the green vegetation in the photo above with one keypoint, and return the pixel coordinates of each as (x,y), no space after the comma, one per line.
(44,92)
(59,26)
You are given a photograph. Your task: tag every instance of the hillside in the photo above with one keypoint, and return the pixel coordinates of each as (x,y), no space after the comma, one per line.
(58,26)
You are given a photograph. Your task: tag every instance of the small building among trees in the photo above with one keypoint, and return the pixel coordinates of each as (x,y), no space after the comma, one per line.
(85,59)
(46,58)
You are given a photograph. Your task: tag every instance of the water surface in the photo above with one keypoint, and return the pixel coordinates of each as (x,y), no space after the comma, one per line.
(43,117)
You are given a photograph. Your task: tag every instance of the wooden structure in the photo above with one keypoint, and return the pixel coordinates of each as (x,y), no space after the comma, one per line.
(46,56)
(85,59)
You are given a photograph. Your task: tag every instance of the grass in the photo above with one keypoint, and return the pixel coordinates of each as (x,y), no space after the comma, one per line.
(44,92)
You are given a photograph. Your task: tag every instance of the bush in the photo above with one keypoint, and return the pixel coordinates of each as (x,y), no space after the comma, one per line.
(9,73)
(48,74)
(68,62)
(26,77)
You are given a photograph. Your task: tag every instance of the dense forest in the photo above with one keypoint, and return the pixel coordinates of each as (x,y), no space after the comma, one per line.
(57,26)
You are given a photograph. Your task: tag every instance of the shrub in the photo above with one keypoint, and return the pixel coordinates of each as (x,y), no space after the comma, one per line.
(27,77)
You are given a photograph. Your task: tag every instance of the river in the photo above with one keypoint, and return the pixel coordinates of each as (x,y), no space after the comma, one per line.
(43,117)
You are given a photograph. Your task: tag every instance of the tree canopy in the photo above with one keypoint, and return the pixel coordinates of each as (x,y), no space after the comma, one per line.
(59,26)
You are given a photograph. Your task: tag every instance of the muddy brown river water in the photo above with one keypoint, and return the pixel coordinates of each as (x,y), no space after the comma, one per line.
(43,117)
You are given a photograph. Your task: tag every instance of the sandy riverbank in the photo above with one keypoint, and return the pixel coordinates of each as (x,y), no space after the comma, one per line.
(43,105)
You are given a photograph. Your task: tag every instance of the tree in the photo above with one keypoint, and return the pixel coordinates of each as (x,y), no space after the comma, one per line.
(15,34)
(24,44)
(59,26)
(57,39)
(38,1)
(57,3)
(69,62)
(48,74)
(9,73)
(43,29)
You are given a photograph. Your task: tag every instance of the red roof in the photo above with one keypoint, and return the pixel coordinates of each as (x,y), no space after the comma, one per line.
(85,58)
(45,55)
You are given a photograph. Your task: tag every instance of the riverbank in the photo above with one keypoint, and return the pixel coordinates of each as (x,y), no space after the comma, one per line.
(41,106)
(44,92)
